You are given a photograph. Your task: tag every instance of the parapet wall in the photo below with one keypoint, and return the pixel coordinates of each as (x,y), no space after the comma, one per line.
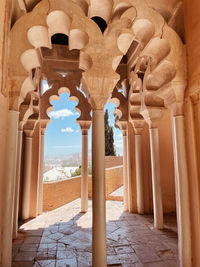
(113,161)
(56,194)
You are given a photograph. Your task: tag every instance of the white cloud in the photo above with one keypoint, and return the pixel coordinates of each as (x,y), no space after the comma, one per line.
(77,131)
(61,114)
(67,130)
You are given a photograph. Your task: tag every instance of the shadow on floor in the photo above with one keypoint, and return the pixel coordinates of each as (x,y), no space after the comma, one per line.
(63,237)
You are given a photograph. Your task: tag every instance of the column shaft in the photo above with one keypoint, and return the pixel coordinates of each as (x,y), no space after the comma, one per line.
(41,166)
(139,176)
(27,178)
(9,185)
(17,184)
(84,174)
(98,190)
(155,166)
(125,174)
(182,189)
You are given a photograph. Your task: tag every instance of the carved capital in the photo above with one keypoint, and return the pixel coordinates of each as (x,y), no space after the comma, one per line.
(123,125)
(138,125)
(99,88)
(85,126)
(152,115)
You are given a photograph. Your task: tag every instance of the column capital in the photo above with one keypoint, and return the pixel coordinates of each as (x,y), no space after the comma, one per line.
(85,126)
(99,88)
(138,125)
(152,115)
(123,125)
(28,134)
(43,125)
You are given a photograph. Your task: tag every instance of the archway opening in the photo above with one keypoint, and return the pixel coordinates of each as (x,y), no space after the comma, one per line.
(60,39)
(100,22)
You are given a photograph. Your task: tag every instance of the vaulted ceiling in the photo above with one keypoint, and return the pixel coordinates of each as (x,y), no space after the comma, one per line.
(171,10)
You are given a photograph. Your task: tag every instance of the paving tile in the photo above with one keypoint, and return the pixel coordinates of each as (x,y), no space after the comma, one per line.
(47,247)
(44,263)
(63,237)
(124,249)
(161,264)
(35,232)
(25,256)
(22,264)
(56,236)
(29,247)
(66,263)
(46,240)
(32,240)
(166,254)
(128,258)
(147,256)
(113,259)
(46,255)
(66,254)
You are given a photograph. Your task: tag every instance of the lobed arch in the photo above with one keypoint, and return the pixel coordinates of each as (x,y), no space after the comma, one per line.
(69,85)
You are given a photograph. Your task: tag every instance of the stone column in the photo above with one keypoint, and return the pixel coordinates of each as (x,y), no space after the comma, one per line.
(17,184)
(138,127)
(98,190)
(84,125)
(41,165)
(182,189)
(125,171)
(84,173)
(156,185)
(152,115)
(139,176)
(27,178)
(9,185)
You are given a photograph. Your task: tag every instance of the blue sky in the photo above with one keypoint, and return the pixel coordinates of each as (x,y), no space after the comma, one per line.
(63,134)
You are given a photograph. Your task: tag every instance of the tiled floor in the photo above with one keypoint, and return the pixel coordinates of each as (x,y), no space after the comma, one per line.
(63,238)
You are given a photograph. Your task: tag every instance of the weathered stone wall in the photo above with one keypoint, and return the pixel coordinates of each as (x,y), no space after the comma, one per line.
(56,194)
(114,179)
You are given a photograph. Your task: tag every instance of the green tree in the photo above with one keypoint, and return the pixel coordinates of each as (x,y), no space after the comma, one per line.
(77,172)
(109,137)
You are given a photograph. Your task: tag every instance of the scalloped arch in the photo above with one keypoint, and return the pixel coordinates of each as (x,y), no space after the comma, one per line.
(58,22)
(78,39)
(30,60)
(38,36)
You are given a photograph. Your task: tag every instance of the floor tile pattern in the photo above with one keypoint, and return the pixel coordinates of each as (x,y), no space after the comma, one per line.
(63,238)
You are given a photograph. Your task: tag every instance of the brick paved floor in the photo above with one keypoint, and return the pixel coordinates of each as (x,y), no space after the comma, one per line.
(63,238)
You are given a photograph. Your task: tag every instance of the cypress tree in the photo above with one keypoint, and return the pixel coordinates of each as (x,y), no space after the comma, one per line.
(109,137)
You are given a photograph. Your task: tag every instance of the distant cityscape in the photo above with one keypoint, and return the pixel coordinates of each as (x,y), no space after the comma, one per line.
(61,167)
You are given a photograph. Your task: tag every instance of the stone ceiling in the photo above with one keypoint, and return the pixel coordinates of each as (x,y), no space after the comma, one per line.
(171,10)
